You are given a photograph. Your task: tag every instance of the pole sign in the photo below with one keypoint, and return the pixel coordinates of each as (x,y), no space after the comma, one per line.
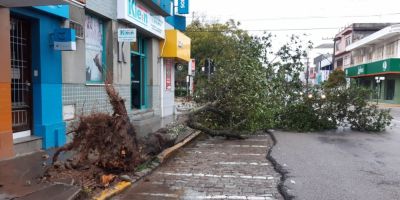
(192,67)
(183,6)
(126,35)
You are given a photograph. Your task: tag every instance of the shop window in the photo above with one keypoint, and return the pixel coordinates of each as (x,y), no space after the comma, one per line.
(390,88)
(94,45)
(375,87)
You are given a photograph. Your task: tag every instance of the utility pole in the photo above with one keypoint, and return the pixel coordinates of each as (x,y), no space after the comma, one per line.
(307,73)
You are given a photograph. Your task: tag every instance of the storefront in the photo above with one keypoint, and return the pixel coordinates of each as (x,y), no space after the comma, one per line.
(144,53)
(387,87)
(31,77)
(175,52)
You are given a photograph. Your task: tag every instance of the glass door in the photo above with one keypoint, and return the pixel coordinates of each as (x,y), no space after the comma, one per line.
(138,74)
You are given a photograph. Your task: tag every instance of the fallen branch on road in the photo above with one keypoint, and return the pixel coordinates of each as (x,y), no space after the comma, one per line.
(193,123)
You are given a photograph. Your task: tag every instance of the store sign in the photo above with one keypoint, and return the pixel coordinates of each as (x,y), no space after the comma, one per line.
(126,35)
(192,67)
(135,13)
(384,66)
(183,6)
(360,70)
(64,39)
(168,74)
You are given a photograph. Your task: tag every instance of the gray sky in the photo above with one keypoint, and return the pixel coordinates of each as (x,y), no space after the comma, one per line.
(298,14)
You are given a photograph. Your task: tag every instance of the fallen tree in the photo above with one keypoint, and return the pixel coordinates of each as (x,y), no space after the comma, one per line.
(230,132)
(108,140)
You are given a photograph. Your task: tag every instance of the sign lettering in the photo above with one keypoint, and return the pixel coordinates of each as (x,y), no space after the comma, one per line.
(126,35)
(183,6)
(136,13)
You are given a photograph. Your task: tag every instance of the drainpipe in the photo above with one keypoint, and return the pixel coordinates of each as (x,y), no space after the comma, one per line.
(162,87)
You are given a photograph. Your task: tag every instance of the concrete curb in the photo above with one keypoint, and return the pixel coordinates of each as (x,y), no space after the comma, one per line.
(162,157)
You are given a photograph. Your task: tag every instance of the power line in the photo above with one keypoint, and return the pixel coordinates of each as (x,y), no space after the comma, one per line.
(268,30)
(314,17)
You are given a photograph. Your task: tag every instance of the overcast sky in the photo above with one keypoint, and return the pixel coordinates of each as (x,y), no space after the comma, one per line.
(298,14)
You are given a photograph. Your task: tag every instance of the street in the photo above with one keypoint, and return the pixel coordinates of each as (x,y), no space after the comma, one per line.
(342,165)
(213,169)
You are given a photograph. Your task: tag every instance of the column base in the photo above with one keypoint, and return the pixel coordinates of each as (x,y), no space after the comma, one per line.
(52,135)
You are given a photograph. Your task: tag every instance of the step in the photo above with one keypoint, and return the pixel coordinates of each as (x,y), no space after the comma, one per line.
(26,145)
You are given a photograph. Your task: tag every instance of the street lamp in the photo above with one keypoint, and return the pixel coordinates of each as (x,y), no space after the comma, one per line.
(378,80)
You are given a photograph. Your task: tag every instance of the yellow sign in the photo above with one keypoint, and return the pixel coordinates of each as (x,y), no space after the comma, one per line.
(175,45)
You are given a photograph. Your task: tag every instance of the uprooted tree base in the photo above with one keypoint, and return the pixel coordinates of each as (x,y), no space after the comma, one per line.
(108,141)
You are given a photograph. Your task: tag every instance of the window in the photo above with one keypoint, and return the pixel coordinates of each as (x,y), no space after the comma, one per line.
(390,49)
(78,29)
(339,62)
(348,41)
(347,61)
(358,59)
(337,45)
(94,45)
(390,88)
(378,54)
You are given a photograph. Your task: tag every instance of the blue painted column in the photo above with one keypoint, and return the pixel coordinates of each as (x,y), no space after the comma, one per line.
(47,87)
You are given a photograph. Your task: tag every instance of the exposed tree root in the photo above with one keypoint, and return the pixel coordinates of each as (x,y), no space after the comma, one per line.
(108,141)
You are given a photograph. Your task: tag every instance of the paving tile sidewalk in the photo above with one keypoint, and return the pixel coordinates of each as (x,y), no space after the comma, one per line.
(212,169)
(19,180)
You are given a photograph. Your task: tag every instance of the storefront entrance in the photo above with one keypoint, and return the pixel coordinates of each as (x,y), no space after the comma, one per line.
(21,77)
(138,74)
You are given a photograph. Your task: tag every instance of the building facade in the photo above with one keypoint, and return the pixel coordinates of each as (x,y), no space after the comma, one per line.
(45,87)
(377,56)
(31,77)
(323,67)
(352,33)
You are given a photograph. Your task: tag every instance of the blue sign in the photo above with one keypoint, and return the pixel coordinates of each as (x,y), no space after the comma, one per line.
(183,6)
(64,39)
(58,10)
(178,22)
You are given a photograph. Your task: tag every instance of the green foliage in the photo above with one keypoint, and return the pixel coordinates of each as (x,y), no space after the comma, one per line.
(336,79)
(180,92)
(369,118)
(251,91)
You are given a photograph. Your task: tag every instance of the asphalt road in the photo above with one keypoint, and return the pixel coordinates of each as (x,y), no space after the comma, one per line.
(342,165)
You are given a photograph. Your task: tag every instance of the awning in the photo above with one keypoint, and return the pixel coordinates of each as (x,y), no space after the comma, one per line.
(175,45)
(376,38)
(382,67)
(25,3)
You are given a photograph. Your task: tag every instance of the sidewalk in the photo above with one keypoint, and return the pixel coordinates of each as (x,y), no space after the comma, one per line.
(19,179)
(212,169)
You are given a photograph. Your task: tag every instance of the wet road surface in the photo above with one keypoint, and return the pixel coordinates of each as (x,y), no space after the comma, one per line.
(212,169)
(341,165)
